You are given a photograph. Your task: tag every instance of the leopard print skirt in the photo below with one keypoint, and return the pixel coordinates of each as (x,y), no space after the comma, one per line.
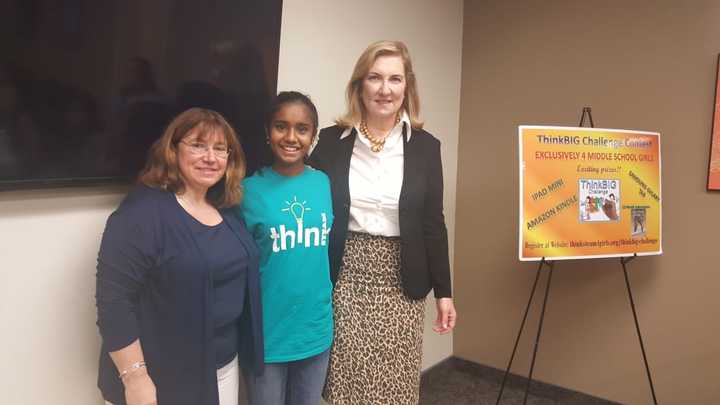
(375,358)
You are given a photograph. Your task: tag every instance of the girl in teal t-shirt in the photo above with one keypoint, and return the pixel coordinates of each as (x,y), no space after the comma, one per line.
(288,209)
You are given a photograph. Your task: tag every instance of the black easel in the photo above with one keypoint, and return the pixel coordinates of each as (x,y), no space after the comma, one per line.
(624,261)
(586,112)
(522,326)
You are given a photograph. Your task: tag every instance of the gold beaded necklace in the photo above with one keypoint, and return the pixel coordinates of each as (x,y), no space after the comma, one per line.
(377,143)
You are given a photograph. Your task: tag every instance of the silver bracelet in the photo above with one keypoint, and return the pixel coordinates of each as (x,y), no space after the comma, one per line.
(133,367)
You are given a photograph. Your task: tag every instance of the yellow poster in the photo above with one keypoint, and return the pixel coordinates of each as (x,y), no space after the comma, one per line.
(589,193)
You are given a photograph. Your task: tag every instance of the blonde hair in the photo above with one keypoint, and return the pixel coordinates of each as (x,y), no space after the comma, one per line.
(162,170)
(355,107)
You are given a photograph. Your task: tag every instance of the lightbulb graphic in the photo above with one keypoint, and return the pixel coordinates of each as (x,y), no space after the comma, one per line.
(297,210)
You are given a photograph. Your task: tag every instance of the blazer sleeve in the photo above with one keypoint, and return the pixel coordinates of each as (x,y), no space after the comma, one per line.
(317,157)
(434,229)
(127,253)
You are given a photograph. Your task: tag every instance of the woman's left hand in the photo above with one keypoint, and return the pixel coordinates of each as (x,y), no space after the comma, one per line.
(446,315)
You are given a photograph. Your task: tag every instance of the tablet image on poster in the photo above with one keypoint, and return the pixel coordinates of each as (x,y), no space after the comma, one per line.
(589,193)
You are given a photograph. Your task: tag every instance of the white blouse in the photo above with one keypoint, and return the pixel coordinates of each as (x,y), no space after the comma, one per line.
(375,182)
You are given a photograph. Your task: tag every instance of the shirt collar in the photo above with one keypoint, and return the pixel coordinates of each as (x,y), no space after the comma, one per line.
(404,120)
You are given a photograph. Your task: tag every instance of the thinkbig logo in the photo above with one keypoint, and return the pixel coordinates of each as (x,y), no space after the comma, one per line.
(284,239)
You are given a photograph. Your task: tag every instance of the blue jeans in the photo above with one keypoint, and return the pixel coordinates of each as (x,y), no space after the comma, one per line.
(297,382)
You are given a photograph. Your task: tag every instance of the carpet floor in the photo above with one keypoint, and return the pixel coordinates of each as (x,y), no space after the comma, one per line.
(460,382)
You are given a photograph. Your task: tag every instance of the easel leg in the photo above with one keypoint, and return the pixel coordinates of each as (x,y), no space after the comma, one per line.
(539,331)
(522,326)
(624,261)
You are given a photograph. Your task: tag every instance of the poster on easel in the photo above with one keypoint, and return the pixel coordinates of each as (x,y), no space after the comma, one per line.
(589,193)
(713,180)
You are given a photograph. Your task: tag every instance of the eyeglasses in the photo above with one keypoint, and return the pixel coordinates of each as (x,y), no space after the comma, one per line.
(199,148)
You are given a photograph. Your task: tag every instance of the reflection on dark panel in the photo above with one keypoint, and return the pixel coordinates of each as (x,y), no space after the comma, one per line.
(86,86)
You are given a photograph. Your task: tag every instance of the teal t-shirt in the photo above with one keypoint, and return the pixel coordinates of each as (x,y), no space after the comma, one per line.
(290,219)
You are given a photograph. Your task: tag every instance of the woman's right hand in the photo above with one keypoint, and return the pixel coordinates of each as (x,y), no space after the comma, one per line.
(139,389)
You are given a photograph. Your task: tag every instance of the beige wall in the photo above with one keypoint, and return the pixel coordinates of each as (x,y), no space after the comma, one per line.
(322,39)
(48,249)
(49,239)
(641,65)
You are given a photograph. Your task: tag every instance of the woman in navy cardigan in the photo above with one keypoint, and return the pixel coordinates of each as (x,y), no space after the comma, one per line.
(177,275)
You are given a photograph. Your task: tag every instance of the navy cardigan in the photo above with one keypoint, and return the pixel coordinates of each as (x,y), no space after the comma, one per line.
(153,284)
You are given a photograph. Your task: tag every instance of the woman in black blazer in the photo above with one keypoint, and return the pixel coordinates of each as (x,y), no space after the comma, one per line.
(388,246)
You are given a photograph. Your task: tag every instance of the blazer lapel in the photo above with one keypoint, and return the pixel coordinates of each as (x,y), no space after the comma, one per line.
(342,167)
(410,167)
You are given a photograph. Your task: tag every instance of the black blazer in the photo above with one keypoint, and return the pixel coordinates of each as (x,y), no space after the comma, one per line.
(424,244)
